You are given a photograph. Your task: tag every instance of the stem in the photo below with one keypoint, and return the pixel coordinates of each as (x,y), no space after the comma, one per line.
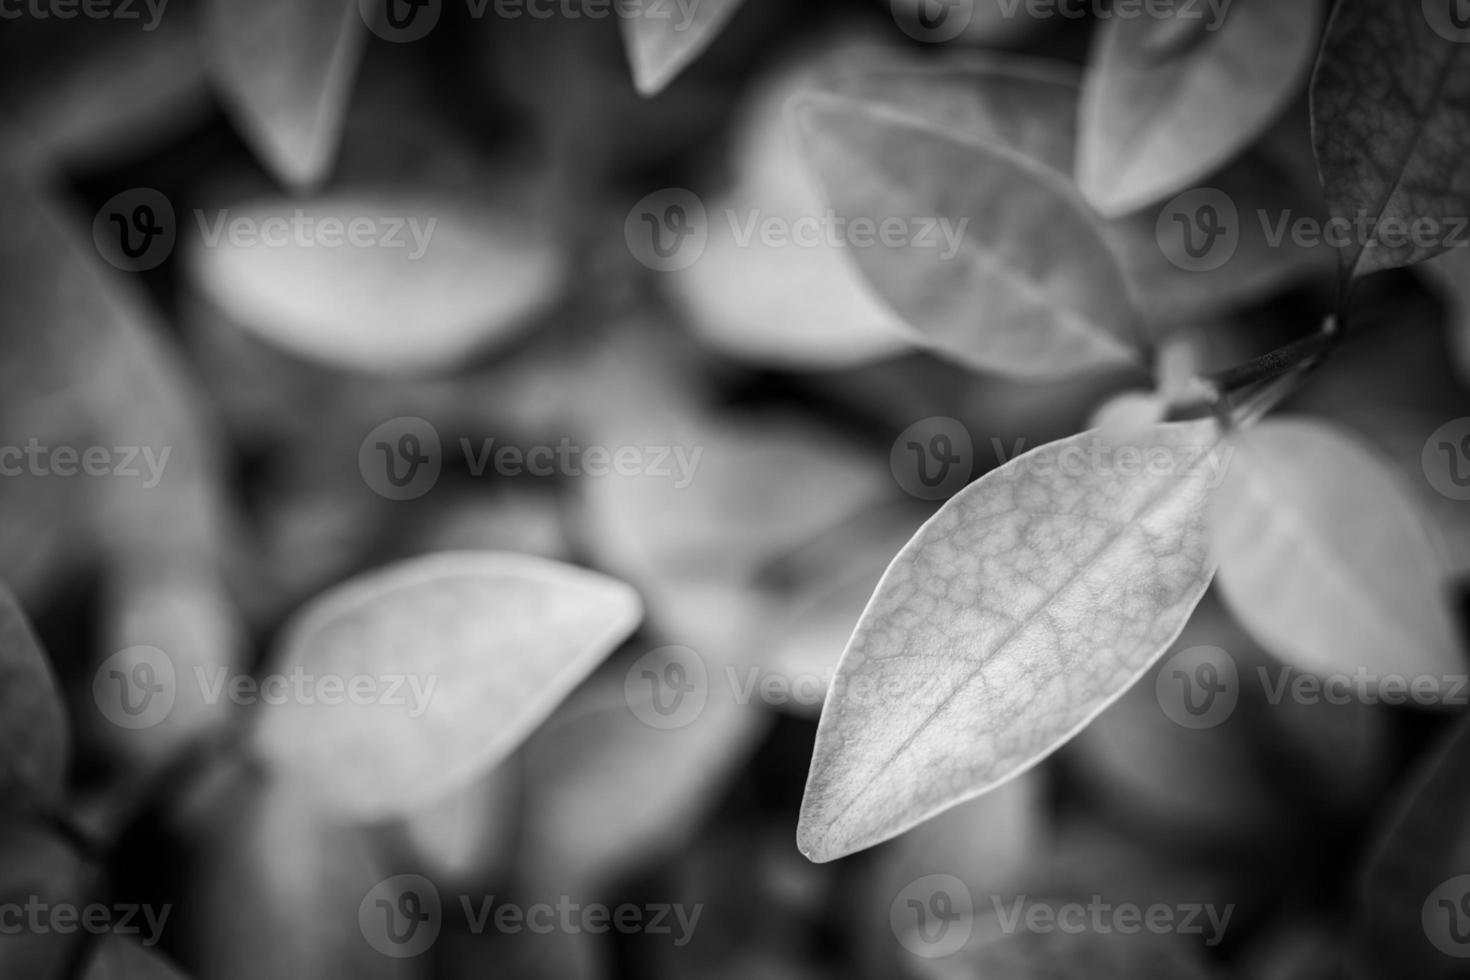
(1298,355)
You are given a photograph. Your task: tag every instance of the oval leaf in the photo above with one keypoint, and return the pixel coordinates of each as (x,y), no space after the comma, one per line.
(1026,606)
(1326,559)
(1389,100)
(1013,276)
(34,740)
(285,70)
(663,39)
(482,646)
(1153,125)
(436,279)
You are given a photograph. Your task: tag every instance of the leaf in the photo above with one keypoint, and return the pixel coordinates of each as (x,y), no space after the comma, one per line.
(275,888)
(468,835)
(34,738)
(285,70)
(502,638)
(1030,289)
(1389,99)
(607,792)
(1325,557)
(1027,605)
(1153,123)
(1450,274)
(35,864)
(120,959)
(466,277)
(1407,920)
(663,39)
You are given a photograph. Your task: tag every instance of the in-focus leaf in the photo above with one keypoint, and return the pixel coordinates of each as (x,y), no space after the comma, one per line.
(1389,99)
(1326,558)
(1153,125)
(34,739)
(1029,287)
(494,642)
(663,39)
(1026,606)
(452,281)
(285,70)
(1408,923)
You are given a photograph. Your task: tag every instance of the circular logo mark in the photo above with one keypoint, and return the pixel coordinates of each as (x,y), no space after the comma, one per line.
(933,458)
(401,916)
(1445,916)
(1198,687)
(933,917)
(667,688)
(400,21)
(135,230)
(1199,230)
(401,459)
(1450,19)
(667,230)
(1446,459)
(933,21)
(135,688)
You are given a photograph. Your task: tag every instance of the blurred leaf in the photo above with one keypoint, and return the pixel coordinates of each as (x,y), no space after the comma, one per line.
(430,281)
(1326,559)
(36,865)
(1389,98)
(285,70)
(485,643)
(801,307)
(607,792)
(34,738)
(1408,921)
(1153,122)
(1450,273)
(1026,251)
(119,959)
(273,887)
(1027,605)
(523,955)
(664,38)
(469,834)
